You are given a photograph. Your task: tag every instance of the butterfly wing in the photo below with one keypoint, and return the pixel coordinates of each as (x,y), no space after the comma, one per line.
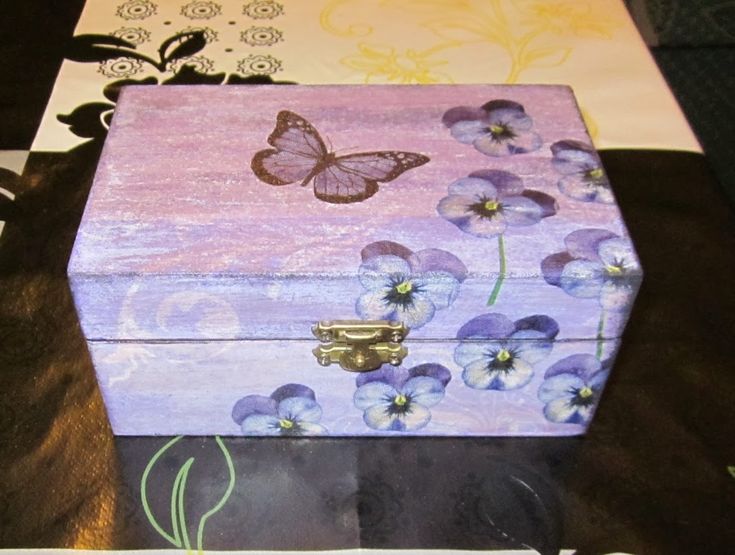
(298,149)
(355,177)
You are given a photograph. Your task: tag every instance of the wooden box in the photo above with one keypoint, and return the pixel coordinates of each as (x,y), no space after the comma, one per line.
(238,240)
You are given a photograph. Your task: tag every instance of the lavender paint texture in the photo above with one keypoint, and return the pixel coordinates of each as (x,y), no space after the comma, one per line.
(197,280)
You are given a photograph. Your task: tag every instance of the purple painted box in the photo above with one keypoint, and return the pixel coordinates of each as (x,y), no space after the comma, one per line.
(225,222)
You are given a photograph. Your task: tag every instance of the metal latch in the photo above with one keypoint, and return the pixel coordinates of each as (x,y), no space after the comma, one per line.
(360,345)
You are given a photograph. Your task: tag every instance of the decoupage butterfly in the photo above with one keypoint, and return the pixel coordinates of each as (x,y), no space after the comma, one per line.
(299,154)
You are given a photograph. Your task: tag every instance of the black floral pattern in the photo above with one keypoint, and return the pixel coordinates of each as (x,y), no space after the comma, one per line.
(201,9)
(258,64)
(201,64)
(136,9)
(120,67)
(261,36)
(263,9)
(133,35)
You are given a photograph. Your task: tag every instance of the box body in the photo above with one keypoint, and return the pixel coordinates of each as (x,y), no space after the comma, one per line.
(224,222)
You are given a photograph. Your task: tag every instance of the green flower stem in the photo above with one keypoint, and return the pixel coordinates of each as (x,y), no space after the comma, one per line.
(600,335)
(175,539)
(178,496)
(225,497)
(501,272)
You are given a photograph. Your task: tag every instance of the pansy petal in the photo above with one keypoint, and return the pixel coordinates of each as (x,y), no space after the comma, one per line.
(468,131)
(373,306)
(474,188)
(424,391)
(312,429)
(486,228)
(432,370)
(373,393)
(468,352)
(462,113)
(253,404)
(502,104)
(616,251)
(583,243)
(562,411)
(300,409)
(578,187)
(382,248)
(292,390)
(375,272)
(477,376)
(416,417)
(548,204)
(616,295)
(519,211)
(538,322)
(559,147)
(553,265)
(561,386)
(582,365)
(489,145)
(531,346)
(598,379)
(492,325)
(506,183)
(518,376)
(571,161)
(391,375)
(456,209)
(378,417)
(437,260)
(582,278)
(440,288)
(261,425)
(417,313)
(513,118)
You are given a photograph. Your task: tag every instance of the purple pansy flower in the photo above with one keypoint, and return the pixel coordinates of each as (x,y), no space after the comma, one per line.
(597,264)
(505,362)
(291,410)
(584,177)
(486,202)
(398,399)
(572,388)
(498,128)
(407,286)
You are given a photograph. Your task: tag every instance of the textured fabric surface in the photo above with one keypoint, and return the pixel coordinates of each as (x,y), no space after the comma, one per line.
(685,22)
(703,80)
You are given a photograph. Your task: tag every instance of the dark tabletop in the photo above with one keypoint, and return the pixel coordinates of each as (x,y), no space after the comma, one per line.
(655,473)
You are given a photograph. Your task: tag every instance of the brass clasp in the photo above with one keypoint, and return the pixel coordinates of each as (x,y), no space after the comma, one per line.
(360,345)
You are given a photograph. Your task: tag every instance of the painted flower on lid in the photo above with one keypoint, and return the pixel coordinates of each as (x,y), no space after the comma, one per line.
(583,175)
(497,128)
(407,286)
(497,353)
(487,202)
(597,264)
(572,388)
(291,410)
(399,399)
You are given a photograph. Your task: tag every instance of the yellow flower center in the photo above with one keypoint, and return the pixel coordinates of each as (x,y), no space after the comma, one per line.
(497,129)
(404,287)
(614,270)
(285,424)
(491,205)
(503,355)
(400,400)
(586,392)
(597,173)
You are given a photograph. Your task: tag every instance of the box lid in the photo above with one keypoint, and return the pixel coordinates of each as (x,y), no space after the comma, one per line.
(253,212)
